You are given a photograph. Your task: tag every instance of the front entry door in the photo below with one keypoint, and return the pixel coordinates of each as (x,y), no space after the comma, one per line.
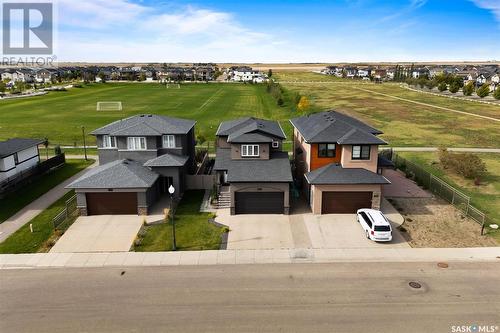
(165,183)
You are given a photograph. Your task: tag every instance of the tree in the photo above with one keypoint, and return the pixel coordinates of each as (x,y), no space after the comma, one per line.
(454,87)
(442,87)
(270,72)
(303,104)
(142,77)
(102,76)
(483,91)
(496,94)
(430,84)
(3,87)
(468,89)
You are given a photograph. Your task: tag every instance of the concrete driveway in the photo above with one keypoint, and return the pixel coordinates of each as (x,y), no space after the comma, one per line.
(342,231)
(302,229)
(101,233)
(256,231)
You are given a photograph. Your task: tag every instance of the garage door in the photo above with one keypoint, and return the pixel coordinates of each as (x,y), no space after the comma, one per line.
(259,202)
(111,203)
(345,202)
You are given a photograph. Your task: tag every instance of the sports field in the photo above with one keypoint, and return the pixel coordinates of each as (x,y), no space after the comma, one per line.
(407,118)
(60,115)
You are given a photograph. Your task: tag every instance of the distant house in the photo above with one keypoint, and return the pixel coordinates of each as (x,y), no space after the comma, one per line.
(363,72)
(391,71)
(17,155)
(420,72)
(350,72)
(246,74)
(44,75)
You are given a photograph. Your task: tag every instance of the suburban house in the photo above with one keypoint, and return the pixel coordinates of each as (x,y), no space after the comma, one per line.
(252,167)
(17,155)
(336,162)
(139,157)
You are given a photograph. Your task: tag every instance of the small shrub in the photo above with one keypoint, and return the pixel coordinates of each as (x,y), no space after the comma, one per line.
(303,104)
(468,89)
(496,94)
(442,87)
(57,150)
(483,91)
(454,87)
(280,101)
(467,165)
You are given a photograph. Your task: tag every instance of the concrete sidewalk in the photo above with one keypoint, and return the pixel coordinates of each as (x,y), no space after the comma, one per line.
(233,257)
(13,223)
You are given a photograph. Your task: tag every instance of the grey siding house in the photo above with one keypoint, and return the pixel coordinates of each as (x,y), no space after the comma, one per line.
(139,158)
(251,163)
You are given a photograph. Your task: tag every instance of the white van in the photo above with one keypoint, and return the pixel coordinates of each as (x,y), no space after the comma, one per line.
(375,224)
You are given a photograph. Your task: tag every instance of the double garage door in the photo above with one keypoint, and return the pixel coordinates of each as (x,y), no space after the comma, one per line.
(259,202)
(345,202)
(111,203)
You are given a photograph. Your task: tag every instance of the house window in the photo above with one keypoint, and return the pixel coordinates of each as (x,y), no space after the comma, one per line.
(326,150)
(250,150)
(361,152)
(108,141)
(136,143)
(168,141)
(276,144)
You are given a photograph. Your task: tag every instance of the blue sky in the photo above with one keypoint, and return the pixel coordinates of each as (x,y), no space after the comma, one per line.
(278,31)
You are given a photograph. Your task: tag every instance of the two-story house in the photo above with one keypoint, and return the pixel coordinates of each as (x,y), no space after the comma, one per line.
(18,155)
(250,161)
(139,157)
(336,162)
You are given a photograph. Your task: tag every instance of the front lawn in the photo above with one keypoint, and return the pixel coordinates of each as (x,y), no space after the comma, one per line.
(18,199)
(23,241)
(193,231)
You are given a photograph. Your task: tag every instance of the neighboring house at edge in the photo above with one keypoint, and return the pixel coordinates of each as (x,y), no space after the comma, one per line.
(251,162)
(17,155)
(140,157)
(336,162)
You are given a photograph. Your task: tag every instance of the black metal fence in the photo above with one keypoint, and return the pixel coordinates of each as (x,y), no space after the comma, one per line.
(26,176)
(437,186)
(67,216)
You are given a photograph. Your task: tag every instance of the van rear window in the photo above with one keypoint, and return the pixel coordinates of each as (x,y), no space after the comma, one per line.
(382,228)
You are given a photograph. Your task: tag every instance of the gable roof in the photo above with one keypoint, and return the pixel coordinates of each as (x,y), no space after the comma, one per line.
(235,128)
(332,126)
(276,169)
(146,124)
(167,160)
(15,145)
(333,174)
(116,174)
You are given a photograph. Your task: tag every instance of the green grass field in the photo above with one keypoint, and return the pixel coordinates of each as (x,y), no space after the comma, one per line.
(485,197)
(60,115)
(16,200)
(403,123)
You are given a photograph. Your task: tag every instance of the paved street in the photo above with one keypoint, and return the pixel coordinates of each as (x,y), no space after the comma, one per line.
(341,297)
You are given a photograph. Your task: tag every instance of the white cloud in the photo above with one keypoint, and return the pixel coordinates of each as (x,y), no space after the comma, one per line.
(492,5)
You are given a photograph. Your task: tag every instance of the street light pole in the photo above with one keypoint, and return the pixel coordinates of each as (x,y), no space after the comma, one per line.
(84,144)
(171,190)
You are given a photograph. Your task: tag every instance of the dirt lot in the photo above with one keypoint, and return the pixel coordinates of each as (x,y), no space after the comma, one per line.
(432,222)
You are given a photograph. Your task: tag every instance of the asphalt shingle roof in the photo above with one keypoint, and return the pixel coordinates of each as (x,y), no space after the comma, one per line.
(276,169)
(167,160)
(335,174)
(332,126)
(15,145)
(116,174)
(148,125)
(235,128)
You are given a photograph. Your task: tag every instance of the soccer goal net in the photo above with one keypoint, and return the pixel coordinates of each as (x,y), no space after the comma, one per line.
(109,106)
(173,86)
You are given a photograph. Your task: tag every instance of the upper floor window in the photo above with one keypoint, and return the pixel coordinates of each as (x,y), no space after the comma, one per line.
(326,150)
(136,143)
(250,150)
(108,141)
(276,144)
(168,141)
(361,152)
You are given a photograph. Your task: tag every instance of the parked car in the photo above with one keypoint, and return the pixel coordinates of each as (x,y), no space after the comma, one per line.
(376,226)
